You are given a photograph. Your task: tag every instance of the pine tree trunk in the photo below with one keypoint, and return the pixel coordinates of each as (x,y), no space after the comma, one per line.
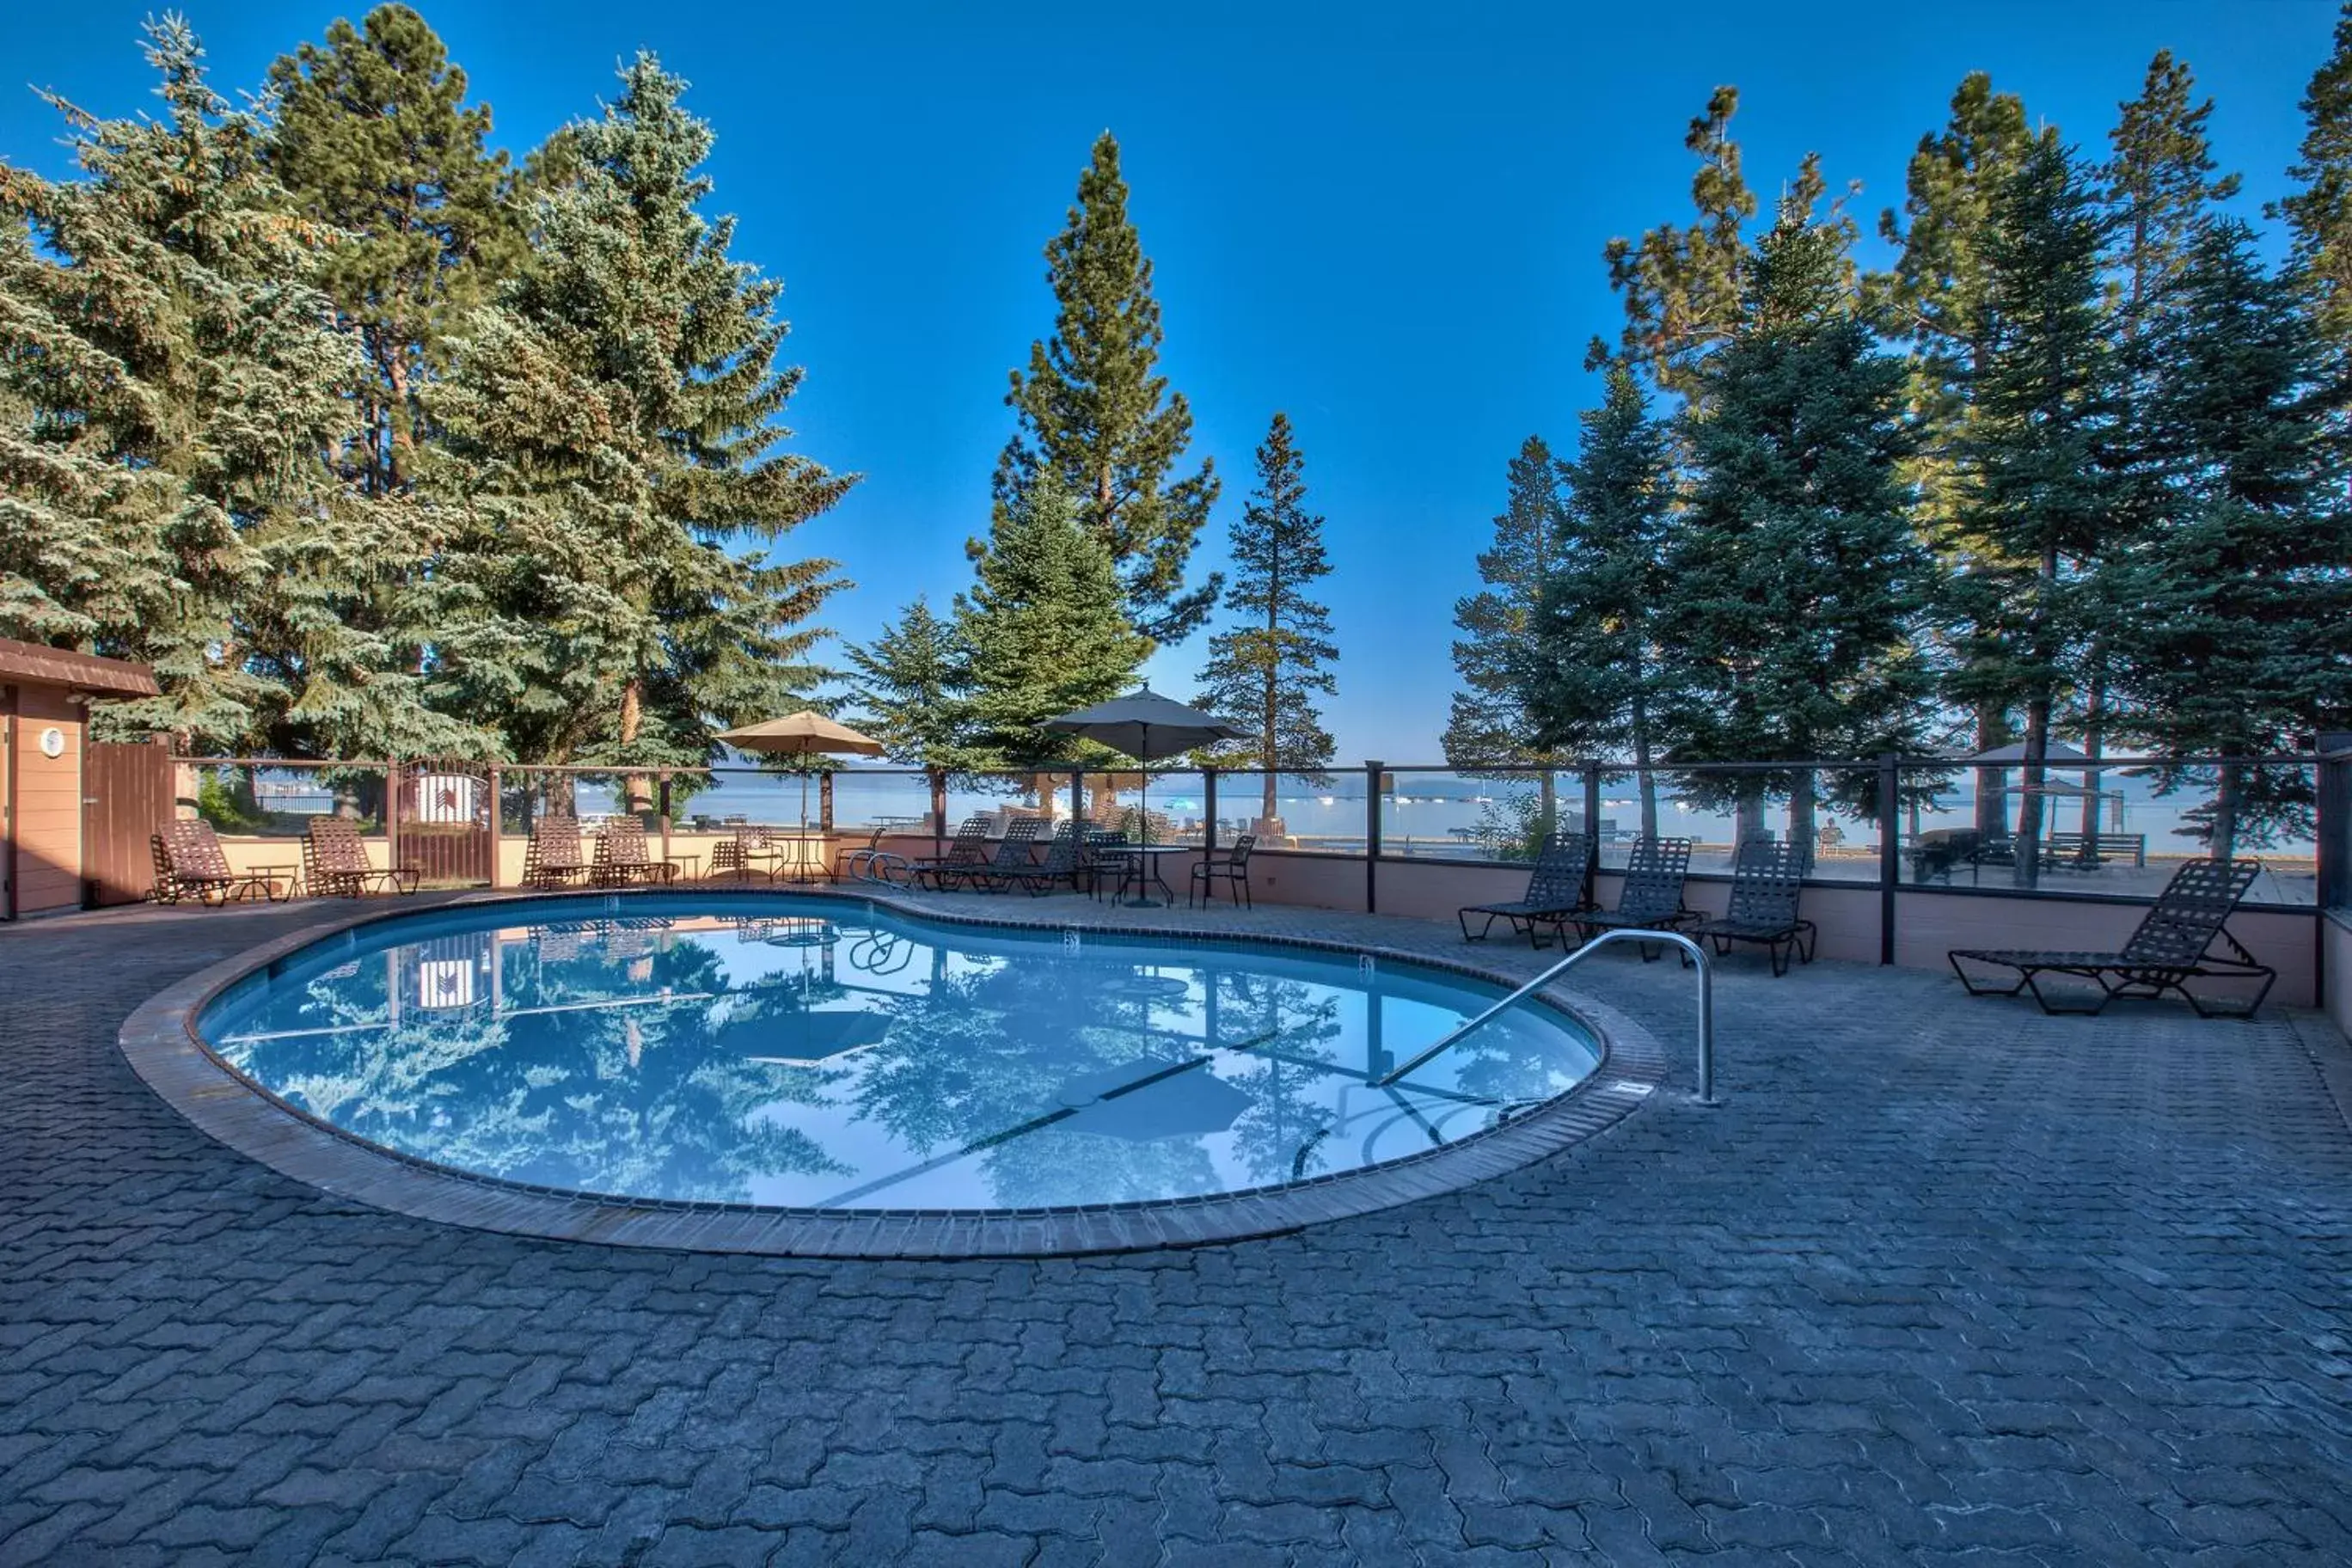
(1747,818)
(2095,735)
(1802,828)
(636,795)
(1547,803)
(2222,843)
(2027,871)
(1647,780)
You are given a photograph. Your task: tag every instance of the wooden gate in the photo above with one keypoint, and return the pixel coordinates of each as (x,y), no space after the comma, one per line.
(447,822)
(126,798)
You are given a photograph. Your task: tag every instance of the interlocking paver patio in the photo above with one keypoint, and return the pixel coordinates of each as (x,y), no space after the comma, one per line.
(1941,1280)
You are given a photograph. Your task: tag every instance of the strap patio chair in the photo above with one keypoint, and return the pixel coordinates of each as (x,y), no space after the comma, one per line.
(1558,886)
(335,863)
(1231,868)
(1012,857)
(623,857)
(1767,884)
(1060,864)
(966,852)
(1104,860)
(1658,870)
(2172,946)
(190,864)
(554,857)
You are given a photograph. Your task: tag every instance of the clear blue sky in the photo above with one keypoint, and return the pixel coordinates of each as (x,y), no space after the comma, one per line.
(1383,219)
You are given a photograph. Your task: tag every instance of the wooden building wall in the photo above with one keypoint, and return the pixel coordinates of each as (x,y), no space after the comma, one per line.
(47,790)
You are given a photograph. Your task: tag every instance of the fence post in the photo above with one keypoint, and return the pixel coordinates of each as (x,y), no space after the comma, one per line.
(1209,815)
(661,798)
(1372,770)
(2333,831)
(1591,823)
(1890,849)
(939,810)
(497,832)
(392,772)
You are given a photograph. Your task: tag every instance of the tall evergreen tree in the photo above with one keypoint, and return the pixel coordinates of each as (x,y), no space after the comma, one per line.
(1796,570)
(1682,285)
(1266,673)
(1933,300)
(612,425)
(372,136)
(175,389)
(1094,411)
(2040,448)
(2319,214)
(909,684)
(2236,636)
(2161,189)
(1487,725)
(1592,683)
(1044,631)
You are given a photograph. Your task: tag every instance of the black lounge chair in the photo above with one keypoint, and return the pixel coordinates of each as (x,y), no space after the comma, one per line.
(1060,864)
(1559,886)
(1651,900)
(1012,857)
(1231,868)
(2172,946)
(1766,885)
(966,851)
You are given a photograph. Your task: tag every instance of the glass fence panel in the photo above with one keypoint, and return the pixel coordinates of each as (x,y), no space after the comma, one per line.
(1631,805)
(1319,813)
(250,800)
(1429,814)
(2119,827)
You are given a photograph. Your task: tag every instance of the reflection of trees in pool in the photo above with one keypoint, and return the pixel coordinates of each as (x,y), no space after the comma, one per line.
(1288,1109)
(982,1053)
(645,1099)
(1510,1061)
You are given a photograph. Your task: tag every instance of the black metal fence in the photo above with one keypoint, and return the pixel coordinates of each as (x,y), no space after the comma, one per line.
(2115,827)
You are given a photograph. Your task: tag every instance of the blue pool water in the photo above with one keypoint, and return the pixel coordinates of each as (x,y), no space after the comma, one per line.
(766,1050)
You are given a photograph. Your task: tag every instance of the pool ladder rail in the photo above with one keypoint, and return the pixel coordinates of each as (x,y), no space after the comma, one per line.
(1692,949)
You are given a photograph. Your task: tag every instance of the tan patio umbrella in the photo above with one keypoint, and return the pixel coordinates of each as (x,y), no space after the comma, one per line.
(802,734)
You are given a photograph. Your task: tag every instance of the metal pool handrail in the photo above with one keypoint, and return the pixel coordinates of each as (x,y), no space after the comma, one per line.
(1705,1003)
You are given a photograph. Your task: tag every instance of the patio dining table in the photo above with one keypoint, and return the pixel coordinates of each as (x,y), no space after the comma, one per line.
(1142,872)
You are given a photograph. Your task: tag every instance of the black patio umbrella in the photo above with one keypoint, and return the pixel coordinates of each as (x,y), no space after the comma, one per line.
(1146,726)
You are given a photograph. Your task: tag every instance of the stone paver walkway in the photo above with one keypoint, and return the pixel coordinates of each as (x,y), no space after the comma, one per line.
(1942,1280)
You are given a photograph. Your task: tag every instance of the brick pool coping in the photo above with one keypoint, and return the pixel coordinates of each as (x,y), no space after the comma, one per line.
(159,1041)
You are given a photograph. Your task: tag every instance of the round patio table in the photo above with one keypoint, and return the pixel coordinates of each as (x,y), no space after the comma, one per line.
(1143,870)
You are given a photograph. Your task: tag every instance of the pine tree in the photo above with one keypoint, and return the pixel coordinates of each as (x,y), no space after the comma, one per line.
(2161,189)
(1592,683)
(1266,673)
(1795,571)
(1933,301)
(1045,632)
(372,136)
(2319,214)
(2237,635)
(1682,286)
(177,388)
(908,686)
(611,431)
(2038,451)
(1487,725)
(1092,410)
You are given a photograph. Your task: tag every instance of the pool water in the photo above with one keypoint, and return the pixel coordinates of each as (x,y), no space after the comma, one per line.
(812,1052)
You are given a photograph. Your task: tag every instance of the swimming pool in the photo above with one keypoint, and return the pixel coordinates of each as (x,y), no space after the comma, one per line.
(824,1053)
